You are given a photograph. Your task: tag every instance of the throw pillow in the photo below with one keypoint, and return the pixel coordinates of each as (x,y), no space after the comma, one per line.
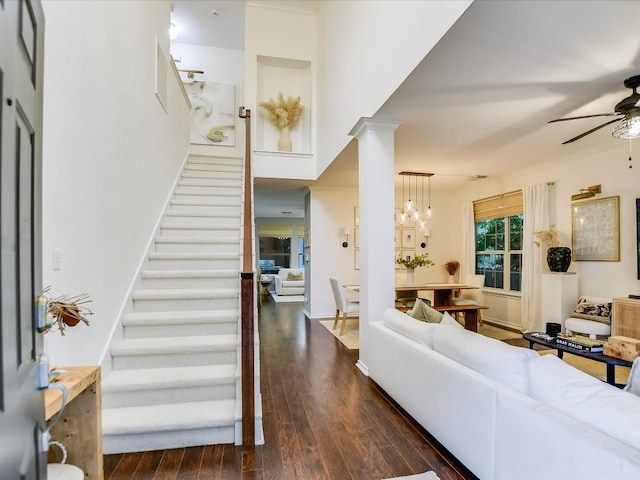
(423,312)
(597,312)
(447,319)
(295,276)
(633,384)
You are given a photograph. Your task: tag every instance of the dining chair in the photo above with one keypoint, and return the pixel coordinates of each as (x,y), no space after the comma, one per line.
(343,305)
(472,296)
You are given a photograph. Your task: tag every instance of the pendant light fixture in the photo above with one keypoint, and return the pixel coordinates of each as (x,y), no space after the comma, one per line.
(415,211)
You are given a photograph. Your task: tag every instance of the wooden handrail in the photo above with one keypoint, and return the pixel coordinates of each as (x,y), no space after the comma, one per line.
(247,294)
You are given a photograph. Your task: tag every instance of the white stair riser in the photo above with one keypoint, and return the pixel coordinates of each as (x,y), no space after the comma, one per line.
(212,282)
(209,182)
(165,360)
(221,233)
(164,395)
(145,442)
(214,168)
(218,199)
(176,330)
(207,209)
(195,190)
(231,246)
(206,160)
(199,219)
(194,264)
(217,175)
(179,305)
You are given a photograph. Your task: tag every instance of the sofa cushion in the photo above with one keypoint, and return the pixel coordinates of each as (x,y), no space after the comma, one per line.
(291,283)
(295,276)
(399,322)
(585,398)
(423,312)
(497,360)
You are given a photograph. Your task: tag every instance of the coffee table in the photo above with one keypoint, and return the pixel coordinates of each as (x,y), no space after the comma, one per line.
(611,362)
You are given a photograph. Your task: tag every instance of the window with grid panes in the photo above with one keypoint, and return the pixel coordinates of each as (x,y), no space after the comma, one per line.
(498,240)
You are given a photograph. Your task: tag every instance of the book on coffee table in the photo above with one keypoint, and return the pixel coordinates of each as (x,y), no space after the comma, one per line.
(580,342)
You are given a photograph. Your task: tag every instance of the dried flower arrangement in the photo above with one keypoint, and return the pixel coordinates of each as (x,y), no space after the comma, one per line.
(284,113)
(66,311)
(452,266)
(417,261)
(548,237)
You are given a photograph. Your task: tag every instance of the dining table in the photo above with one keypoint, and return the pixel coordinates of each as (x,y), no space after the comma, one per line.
(443,293)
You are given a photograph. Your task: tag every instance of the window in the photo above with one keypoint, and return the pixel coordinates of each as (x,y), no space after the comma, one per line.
(498,233)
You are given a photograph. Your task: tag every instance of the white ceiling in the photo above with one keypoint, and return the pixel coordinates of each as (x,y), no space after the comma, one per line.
(479,103)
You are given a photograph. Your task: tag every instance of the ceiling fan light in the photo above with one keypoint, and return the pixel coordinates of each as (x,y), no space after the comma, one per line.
(627,129)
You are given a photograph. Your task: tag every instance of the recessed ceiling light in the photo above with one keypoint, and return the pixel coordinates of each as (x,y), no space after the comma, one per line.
(214,12)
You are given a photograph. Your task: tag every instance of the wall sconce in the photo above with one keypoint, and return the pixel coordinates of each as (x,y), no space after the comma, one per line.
(426,232)
(344,233)
(588,192)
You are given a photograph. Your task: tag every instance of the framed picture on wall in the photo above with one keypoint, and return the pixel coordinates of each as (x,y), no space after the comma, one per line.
(356,237)
(396,238)
(356,259)
(408,255)
(595,229)
(356,216)
(408,238)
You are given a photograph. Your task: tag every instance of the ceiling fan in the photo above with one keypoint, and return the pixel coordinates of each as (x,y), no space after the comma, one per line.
(627,110)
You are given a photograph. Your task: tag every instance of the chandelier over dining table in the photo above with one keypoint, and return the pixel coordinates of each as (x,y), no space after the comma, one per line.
(414,211)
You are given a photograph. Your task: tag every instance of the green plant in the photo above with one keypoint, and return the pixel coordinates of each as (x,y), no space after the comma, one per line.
(417,261)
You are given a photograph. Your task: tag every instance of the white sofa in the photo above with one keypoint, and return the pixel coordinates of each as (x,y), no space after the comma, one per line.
(287,286)
(505,412)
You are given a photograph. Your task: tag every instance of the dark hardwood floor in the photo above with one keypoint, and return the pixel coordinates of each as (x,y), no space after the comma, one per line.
(323,419)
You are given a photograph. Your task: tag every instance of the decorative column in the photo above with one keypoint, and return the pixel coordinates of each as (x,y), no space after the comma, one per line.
(559,297)
(376,202)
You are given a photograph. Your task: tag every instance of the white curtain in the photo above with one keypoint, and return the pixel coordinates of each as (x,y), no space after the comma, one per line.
(468,242)
(536,217)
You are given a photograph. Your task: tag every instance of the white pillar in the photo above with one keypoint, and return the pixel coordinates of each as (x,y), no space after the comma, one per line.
(376,199)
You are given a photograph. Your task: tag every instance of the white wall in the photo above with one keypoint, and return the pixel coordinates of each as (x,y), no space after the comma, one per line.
(110,156)
(220,65)
(366,50)
(331,210)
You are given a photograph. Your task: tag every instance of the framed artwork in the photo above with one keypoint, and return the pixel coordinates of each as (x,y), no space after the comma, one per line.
(356,216)
(396,216)
(212,113)
(595,229)
(356,259)
(396,238)
(356,237)
(408,238)
(307,237)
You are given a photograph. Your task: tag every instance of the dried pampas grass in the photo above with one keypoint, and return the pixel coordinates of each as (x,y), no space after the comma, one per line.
(284,113)
(67,311)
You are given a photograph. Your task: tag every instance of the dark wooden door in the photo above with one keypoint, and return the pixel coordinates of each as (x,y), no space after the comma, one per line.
(21,401)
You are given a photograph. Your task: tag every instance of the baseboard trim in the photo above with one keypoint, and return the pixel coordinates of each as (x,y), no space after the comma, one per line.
(362,367)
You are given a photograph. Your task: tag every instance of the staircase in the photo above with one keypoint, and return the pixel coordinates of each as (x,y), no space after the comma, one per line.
(174,376)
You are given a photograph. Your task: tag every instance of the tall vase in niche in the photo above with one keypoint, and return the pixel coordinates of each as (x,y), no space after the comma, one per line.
(559,259)
(452,279)
(284,140)
(410,275)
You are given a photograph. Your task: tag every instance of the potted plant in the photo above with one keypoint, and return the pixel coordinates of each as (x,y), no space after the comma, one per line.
(411,263)
(452,267)
(284,114)
(558,258)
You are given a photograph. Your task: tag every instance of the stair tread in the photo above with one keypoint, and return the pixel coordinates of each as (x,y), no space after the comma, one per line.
(168,417)
(221,200)
(198,240)
(184,293)
(158,345)
(170,377)
(190,273)
(191,255)
(195,226)
(183,213)
(178,317)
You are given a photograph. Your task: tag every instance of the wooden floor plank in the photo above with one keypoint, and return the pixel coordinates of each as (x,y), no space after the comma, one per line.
(322,419)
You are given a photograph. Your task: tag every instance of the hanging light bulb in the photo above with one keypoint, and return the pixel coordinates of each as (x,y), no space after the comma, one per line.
(403,217)
(429,211)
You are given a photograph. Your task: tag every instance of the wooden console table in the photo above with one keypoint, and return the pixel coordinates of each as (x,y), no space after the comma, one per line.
(80,426)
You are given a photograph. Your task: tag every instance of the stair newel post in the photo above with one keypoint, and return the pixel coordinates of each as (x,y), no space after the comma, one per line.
(247,295)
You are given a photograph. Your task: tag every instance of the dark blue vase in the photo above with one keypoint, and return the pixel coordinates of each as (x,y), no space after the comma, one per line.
(559,259)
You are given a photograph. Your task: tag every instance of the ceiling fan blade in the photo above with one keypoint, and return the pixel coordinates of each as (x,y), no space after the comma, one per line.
(592,130)
(584,116)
